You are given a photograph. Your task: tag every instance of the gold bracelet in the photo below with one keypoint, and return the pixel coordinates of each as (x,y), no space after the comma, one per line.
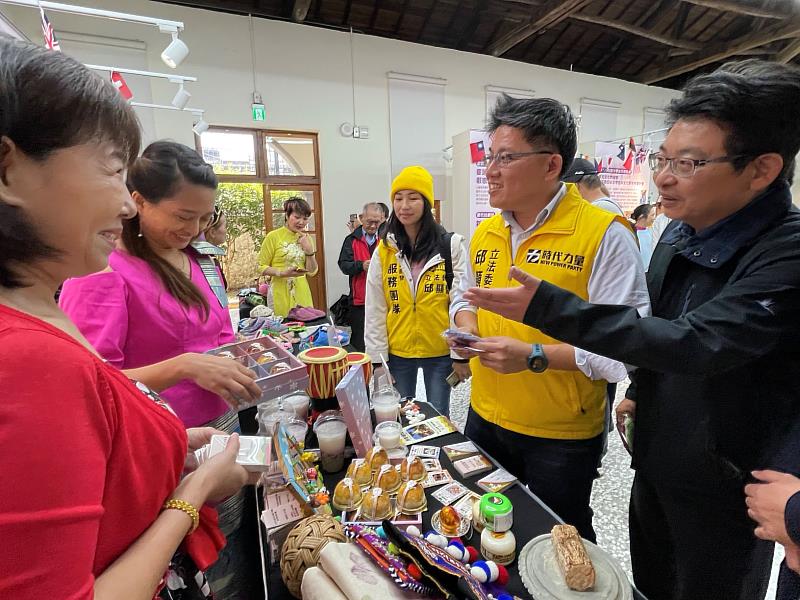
(185,507)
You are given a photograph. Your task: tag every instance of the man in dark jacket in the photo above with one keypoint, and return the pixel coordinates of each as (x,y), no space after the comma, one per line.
(354,260)
(716,389)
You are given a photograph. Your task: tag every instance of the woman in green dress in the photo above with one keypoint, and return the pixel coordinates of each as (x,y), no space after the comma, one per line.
(288,256)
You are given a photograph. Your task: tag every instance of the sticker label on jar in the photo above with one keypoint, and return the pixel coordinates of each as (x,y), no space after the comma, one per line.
(499,523)
(497,512)
(499,547)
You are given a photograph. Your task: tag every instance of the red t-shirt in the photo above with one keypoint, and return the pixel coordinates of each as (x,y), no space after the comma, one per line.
(87,462)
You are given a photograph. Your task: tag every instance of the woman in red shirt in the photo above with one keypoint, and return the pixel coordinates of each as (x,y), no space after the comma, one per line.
(92,503)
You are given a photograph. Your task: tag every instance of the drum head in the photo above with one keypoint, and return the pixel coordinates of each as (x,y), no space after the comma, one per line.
(357,358)
(322,354)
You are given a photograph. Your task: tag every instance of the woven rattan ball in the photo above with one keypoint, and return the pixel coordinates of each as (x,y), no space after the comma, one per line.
(302,547)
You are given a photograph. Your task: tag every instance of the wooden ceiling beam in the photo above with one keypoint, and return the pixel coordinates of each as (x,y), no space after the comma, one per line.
(749,8)
(638,31)
(623,43)
(300,10)
(550,14)
(374,15)
(401,17)
(472,26)
(676,52)
(346,15)
(791,50)
(721,51)
(680,21)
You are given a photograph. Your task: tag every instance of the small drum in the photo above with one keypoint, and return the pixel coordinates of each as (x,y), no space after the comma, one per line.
(359,358)
(326,365)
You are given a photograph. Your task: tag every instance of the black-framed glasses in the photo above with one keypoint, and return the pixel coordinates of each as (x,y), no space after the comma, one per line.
(506,158)
(684,167)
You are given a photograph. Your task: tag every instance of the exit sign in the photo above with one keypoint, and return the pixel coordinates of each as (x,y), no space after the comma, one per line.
(259,112)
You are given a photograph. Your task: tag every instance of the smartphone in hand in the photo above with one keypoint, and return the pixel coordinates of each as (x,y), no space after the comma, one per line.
(452,379)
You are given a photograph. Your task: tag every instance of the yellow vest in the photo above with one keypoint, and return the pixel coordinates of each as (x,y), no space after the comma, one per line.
(553,404)
(415,320)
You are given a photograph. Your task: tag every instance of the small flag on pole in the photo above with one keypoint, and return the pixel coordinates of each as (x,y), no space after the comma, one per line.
(50,39)
(119,82)
(629,159)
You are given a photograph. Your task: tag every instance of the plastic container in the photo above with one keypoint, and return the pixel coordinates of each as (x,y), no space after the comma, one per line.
(297,402)
(386,404)
(497,512)
(331,431)
(388,434)
(297,428)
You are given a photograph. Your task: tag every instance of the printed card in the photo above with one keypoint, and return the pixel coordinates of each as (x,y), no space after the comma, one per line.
(497,482)
(464,505)
(460,450)
(431,464)
(425,451)
(473,465)
(435,478)
(450,493)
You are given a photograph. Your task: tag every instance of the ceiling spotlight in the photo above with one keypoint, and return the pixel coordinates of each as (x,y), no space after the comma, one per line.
(200,127)
(181,98)
(174,54)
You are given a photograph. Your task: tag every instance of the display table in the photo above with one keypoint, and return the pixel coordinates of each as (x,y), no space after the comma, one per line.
(531,516)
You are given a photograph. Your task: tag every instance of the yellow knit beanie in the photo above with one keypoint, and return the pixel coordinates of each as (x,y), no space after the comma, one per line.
(414,178)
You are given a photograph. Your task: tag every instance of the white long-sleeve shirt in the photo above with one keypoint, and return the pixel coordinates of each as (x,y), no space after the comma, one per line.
(617,278)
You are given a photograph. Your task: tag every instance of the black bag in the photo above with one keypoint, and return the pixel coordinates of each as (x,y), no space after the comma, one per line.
(341,310)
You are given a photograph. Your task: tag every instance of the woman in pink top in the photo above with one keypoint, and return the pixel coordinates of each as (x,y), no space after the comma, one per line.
(156,304)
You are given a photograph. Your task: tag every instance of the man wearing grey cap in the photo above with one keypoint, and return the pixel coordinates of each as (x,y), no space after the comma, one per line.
(583,174)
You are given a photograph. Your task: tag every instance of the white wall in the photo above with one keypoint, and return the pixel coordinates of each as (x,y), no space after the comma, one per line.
(304,76)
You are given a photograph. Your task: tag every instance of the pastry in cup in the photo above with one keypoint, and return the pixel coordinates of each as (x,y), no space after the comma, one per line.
(411,498)
(376,505)
(413,468)
(347,495)
(376,457)
(360,471)
(388,478)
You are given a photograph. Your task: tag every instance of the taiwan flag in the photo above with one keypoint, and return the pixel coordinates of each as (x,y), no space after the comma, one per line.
(477,152)
(119,82)
(632,152)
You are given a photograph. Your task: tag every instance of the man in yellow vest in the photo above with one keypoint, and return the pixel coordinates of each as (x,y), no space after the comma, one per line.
(538,405)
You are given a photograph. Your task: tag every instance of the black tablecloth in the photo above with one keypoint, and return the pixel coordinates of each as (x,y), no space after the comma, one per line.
(531,516)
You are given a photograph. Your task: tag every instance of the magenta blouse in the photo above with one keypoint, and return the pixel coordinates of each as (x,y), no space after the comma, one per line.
(132,320)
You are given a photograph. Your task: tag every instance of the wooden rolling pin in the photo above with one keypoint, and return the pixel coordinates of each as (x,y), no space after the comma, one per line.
(572,558)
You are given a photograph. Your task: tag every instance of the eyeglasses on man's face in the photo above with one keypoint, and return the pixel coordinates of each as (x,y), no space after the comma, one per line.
(503,159)
(683,167)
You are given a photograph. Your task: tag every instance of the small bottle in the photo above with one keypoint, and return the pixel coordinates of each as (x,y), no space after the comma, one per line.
(501,547)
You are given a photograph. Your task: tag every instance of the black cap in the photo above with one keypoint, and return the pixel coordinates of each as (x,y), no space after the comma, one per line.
(579,168)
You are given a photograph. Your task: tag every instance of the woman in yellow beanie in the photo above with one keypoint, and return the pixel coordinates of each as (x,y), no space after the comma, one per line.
(409,294)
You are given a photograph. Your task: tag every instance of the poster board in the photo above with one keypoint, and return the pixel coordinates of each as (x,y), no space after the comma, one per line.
(479,207)
(624,170)
(352,395)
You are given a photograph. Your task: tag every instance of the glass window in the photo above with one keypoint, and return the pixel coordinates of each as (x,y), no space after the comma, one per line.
(230,153)
(290,155)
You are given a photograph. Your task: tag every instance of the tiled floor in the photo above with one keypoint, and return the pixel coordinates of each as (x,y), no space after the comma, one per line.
(611,491)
